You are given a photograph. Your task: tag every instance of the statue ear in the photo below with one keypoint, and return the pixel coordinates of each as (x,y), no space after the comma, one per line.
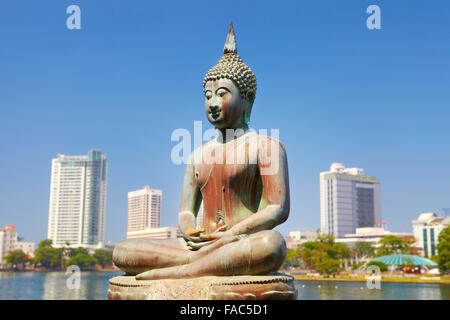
(250,96)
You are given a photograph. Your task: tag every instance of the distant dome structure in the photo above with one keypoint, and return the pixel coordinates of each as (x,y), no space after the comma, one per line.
(336,167)
(426,216)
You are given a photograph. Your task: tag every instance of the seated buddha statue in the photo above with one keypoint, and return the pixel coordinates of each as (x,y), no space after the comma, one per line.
(242,179)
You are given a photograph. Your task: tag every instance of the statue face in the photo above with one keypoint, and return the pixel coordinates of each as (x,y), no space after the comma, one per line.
(224,105)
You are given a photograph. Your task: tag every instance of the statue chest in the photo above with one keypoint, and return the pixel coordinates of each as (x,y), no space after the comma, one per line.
(227,164)
(228,179)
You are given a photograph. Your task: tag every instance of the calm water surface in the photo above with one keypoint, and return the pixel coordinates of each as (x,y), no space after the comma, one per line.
(52,285)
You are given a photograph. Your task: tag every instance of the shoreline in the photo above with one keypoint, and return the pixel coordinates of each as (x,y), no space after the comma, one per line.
(392,280)
(46,270)
(445,281)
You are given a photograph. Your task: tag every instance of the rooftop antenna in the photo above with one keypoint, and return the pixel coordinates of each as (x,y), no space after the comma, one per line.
(380,224)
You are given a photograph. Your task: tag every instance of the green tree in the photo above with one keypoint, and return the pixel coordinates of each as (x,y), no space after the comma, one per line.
(16,257)
(435,258)
(379,264)
(104,257)
(410,242)
(46,243)
(307,253)
(443,247)
(47,256)
(64,253)
(82,260)
(362,250)
(392,244)
(291,260)
(324,255)
(338,250)
(324,263)
(74,251)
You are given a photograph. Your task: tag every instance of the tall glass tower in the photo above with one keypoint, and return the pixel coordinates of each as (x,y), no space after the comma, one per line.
(348,200)
(78,200)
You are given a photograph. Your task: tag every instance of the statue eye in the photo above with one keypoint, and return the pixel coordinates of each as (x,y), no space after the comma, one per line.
(221,92)
(208,95)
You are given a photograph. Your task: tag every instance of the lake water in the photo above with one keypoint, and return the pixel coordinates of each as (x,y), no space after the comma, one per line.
(94,285)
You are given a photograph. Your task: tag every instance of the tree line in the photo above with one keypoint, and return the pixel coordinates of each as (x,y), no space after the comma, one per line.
(328,257)
(51,258)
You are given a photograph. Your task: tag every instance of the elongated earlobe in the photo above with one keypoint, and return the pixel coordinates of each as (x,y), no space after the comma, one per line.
(247,117)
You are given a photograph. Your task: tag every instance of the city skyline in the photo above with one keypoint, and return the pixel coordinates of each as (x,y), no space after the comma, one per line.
(154,221)
(338,92)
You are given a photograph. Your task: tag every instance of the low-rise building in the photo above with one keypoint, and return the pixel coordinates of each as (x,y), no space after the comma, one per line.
(109,245)
(27,247)
(8,240)
(296,238)
(155,233)
(426,230)
(369,234)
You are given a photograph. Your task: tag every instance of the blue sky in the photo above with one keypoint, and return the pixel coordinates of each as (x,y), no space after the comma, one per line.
(338,92)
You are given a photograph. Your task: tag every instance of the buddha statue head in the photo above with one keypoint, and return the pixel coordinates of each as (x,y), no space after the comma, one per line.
(230,89)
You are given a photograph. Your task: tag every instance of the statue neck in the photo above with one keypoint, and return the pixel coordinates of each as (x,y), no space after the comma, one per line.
(227,134)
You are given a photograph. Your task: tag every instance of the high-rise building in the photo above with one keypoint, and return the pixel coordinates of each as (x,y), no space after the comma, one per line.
(144,209)
(348,200)
(78,200)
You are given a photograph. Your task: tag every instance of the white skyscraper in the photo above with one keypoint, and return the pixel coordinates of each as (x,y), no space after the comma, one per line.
(144,209)
(348,200)
(78,200)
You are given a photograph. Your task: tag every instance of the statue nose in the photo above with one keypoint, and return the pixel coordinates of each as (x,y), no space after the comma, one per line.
(214,109)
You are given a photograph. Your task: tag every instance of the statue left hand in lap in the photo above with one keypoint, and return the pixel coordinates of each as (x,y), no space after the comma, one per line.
(242,179)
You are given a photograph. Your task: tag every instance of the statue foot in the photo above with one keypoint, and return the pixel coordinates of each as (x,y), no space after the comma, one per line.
(163,273)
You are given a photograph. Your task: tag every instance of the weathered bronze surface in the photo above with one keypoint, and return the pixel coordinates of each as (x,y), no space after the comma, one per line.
(242,179)
(273,287)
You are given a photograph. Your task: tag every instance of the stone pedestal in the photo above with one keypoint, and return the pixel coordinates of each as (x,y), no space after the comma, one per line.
(269,287)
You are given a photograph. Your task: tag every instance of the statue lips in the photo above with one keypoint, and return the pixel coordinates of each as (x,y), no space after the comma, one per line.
(215,115)
(215,111)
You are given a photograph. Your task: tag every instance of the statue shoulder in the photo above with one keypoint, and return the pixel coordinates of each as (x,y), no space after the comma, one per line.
(271,156)
(265,142)
(198,152)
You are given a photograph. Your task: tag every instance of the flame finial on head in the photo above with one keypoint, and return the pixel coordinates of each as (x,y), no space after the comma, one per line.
(232,67)
(230,43)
